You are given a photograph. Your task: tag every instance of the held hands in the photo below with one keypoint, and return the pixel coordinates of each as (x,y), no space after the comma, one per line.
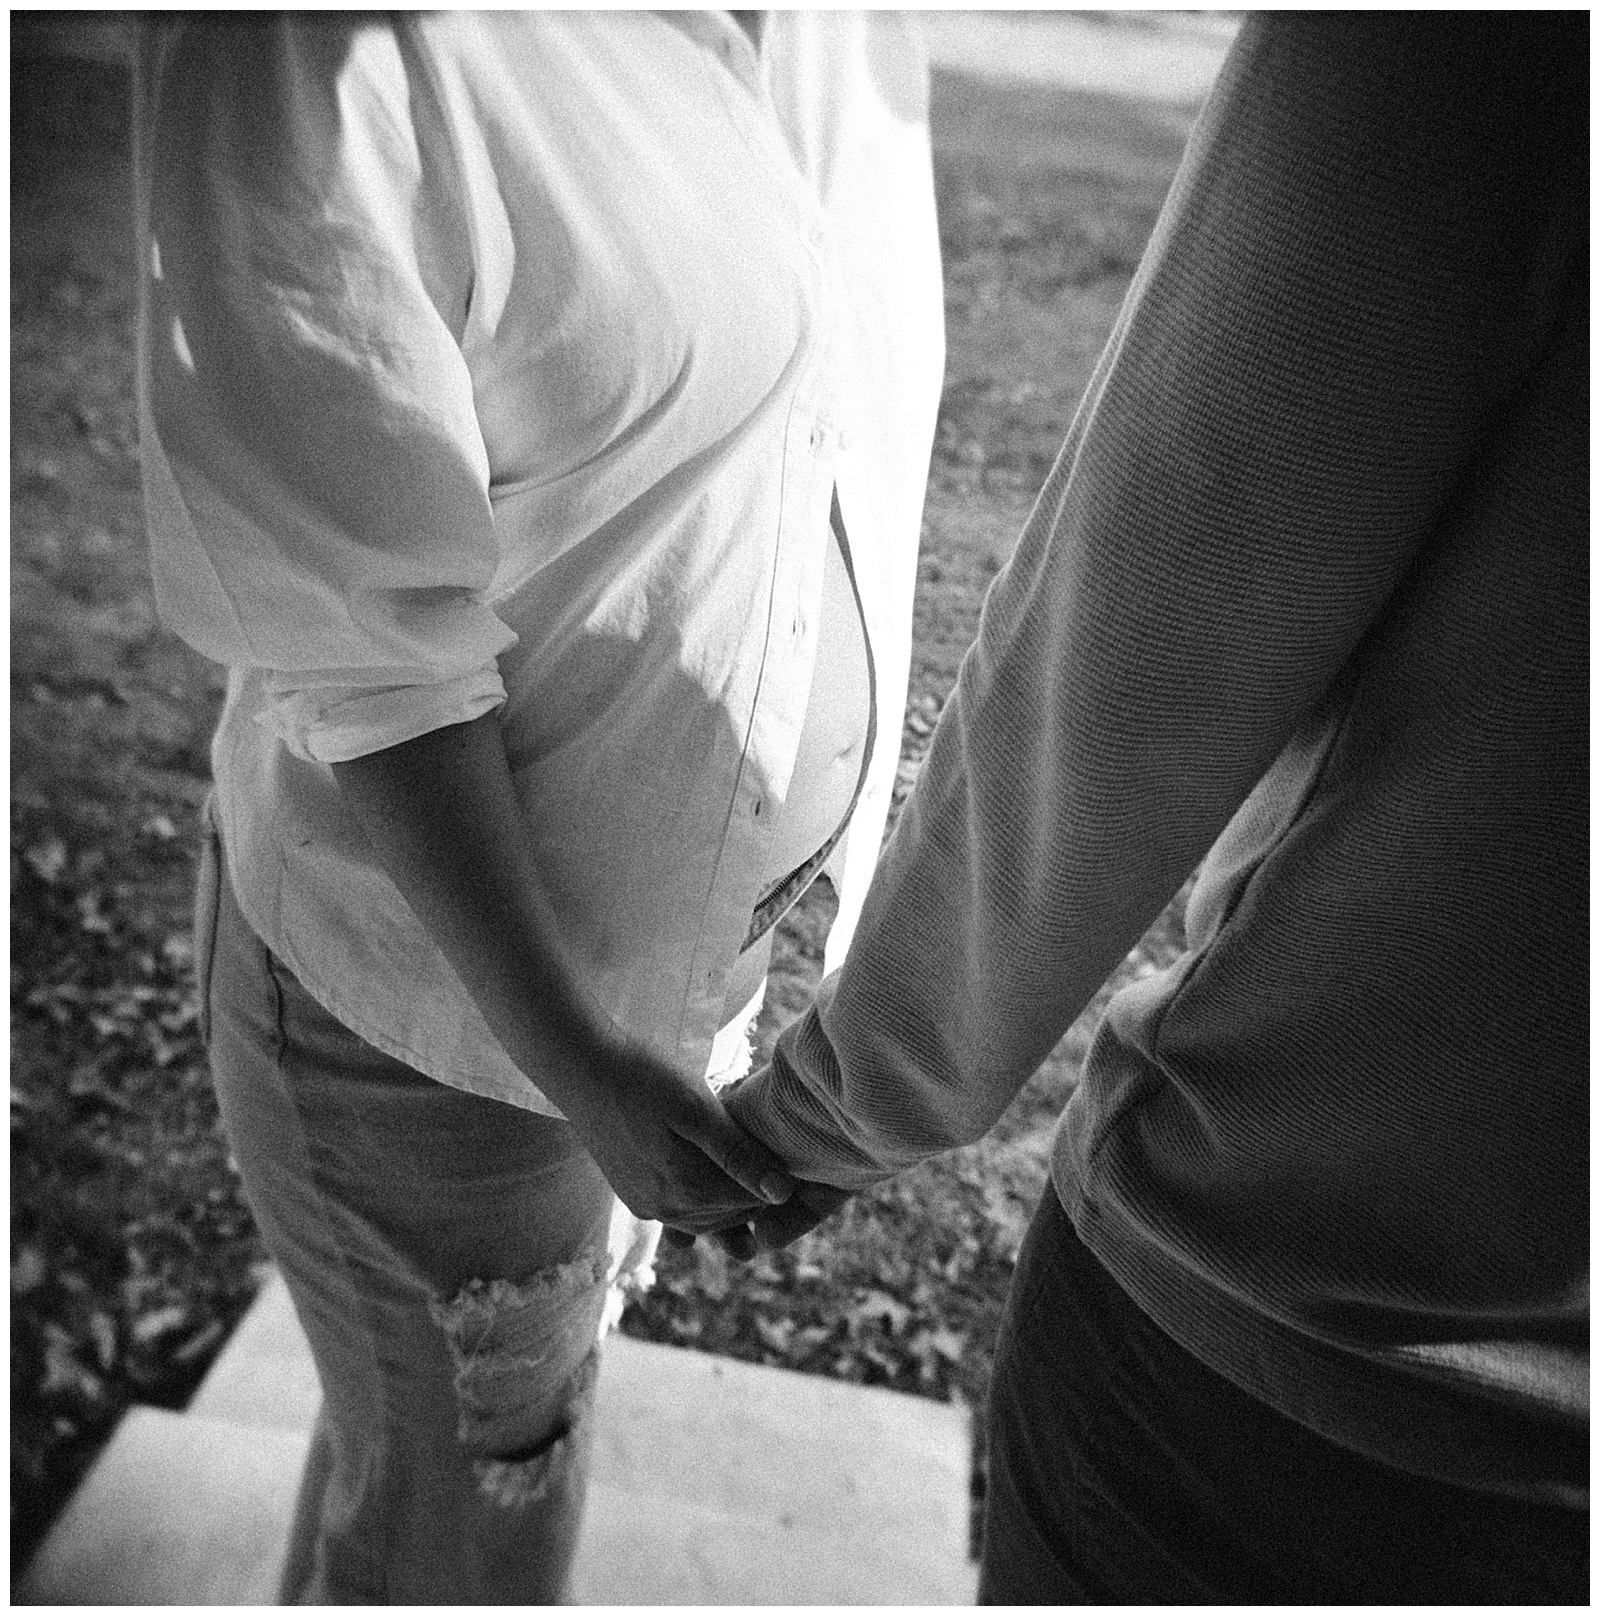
(671,1152)
(776,1226)
(803,1211)
(773,1226)
(443,815)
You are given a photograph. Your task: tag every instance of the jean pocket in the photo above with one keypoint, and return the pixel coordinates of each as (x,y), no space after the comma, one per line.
(207,903)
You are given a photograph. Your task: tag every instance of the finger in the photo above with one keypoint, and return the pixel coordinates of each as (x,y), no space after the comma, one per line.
(712,1222)
(739,1243)
(687,1190)
(782,1225)
(745,1160)
(697,1215)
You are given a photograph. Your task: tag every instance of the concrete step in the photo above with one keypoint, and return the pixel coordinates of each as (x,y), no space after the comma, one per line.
(177,1510)
(264,1376)
(719,1482)
(715,1482)
(676,1552)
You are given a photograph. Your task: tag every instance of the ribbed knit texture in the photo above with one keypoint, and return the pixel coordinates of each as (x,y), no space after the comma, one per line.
(1307,588)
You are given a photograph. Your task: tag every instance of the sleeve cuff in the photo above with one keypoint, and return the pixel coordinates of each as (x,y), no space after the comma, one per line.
(793,1107)
(334,724)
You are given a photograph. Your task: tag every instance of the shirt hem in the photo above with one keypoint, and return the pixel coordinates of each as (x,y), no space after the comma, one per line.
(1445,1430)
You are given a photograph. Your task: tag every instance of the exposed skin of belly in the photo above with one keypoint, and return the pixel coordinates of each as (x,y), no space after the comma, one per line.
(828,761)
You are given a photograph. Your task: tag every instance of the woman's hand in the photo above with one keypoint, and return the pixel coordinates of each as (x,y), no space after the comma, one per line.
(444,818)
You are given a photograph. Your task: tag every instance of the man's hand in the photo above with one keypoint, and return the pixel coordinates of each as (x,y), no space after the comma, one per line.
(810,1203)
(774,1228)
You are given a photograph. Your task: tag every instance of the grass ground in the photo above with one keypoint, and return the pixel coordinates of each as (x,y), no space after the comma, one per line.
(132,1253)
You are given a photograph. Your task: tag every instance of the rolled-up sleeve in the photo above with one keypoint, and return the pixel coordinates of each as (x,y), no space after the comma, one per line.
(316,483)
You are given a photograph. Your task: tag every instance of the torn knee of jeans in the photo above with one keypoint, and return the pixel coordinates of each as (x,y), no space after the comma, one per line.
(526,1362)
(528,1473)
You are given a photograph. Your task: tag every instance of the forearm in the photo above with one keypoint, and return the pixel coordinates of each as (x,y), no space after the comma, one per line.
(442,813)
(444,817)
(1294,392)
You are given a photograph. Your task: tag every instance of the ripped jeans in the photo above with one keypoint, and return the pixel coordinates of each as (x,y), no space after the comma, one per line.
(453,1261)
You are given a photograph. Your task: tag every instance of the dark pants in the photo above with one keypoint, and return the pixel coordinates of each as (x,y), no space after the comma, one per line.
(1123,1471)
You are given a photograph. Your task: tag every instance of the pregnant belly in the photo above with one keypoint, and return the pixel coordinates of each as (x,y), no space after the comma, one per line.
(827,762)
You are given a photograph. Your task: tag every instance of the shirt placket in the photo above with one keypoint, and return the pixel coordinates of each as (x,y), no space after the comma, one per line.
(812,437)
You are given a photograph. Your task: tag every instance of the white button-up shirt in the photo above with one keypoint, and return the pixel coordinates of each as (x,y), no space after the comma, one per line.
(512,359)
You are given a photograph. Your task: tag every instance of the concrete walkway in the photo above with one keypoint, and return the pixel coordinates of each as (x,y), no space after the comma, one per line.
(1166,56)
(1169,56)
(715,1483)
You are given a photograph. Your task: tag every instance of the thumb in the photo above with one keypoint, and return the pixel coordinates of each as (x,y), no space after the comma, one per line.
(743,1159)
